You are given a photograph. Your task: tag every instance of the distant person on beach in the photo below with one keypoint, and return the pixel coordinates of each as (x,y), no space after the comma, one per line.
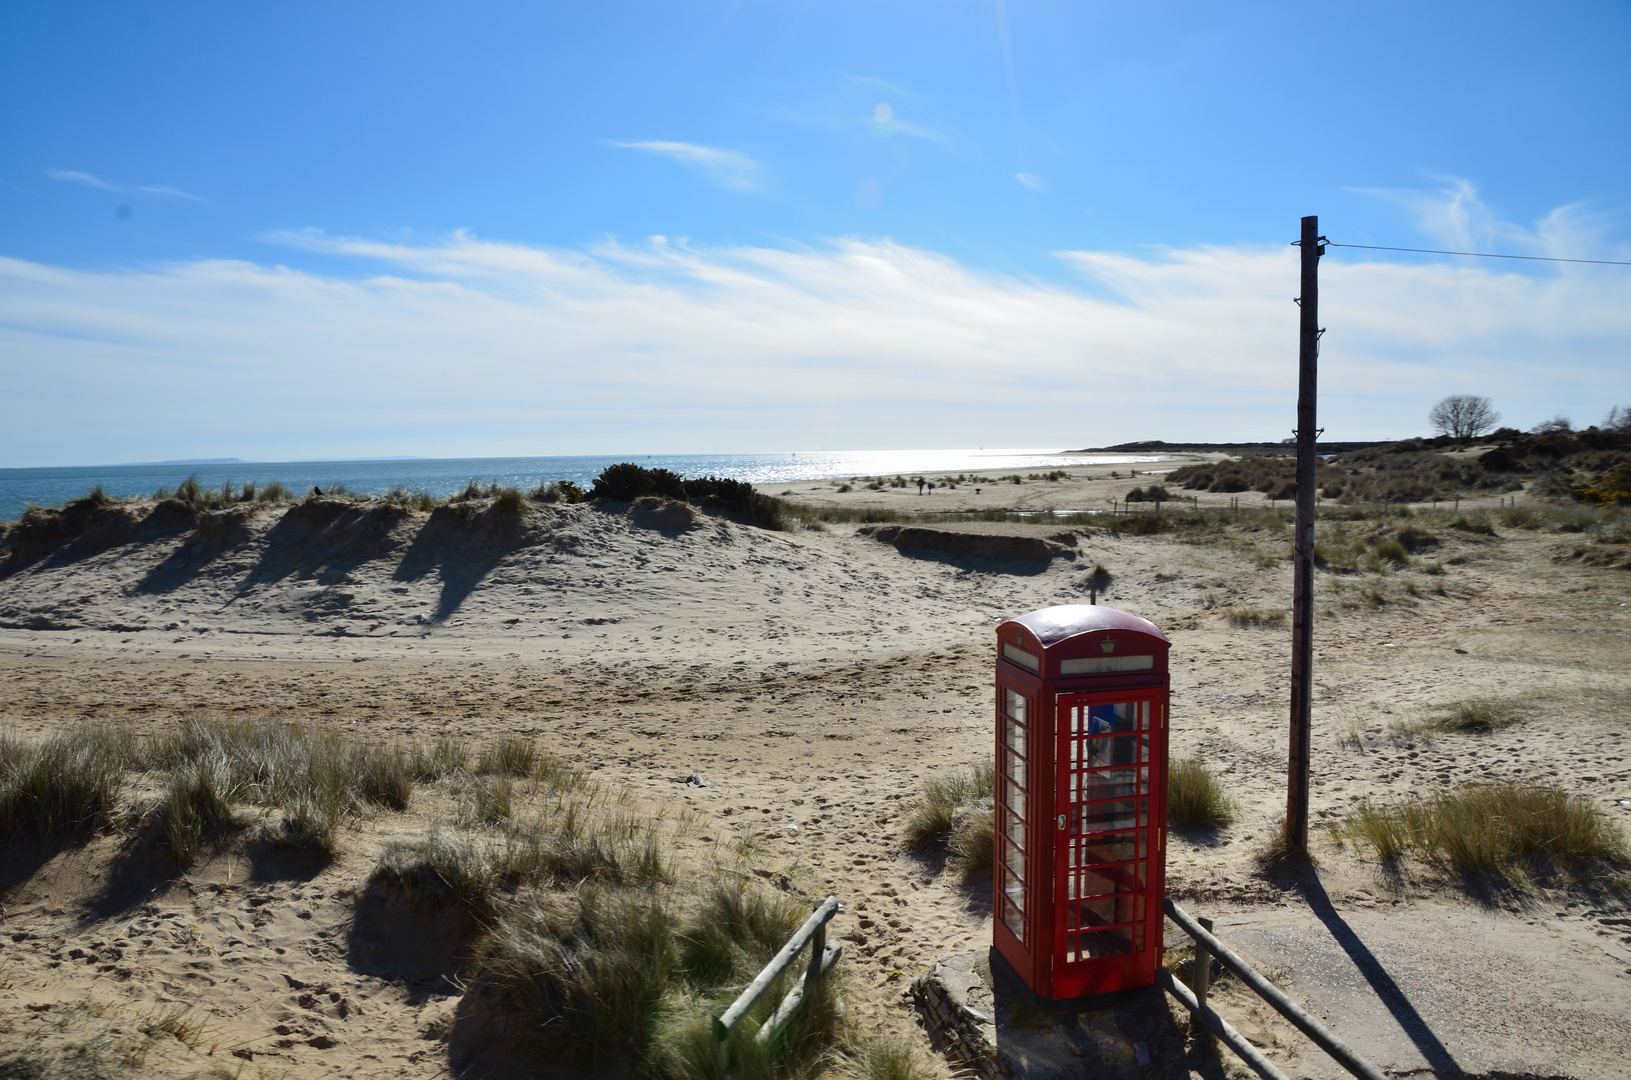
(976,491)
(931,487)
(920,485)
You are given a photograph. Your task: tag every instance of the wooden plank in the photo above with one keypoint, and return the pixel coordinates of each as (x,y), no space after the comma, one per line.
(1218,1026)
(773,970)
(784,1012)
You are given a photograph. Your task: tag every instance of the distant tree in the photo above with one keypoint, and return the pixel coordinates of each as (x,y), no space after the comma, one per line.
(1557,425)
(1463,416)
(1619,419)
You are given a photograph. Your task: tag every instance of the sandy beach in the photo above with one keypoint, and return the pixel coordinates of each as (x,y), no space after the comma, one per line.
(816,678)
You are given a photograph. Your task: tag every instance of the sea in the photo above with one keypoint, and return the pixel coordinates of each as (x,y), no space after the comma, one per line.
(440,477)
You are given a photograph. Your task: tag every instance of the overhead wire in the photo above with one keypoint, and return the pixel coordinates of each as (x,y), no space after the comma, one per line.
(1481,254)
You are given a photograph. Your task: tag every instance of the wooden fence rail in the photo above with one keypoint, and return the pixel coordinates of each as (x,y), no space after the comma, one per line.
(822,957)
(1207,946)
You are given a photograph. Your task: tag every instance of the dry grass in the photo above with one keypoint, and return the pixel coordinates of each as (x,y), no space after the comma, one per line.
(584,973)
(1492,828)
(958,811)
(601,953)
(522,759)
(198,804)
(885,1057)
(1248,615)
(487,801)
(1479,714)
(1194,797)
(54,789)
(319,779)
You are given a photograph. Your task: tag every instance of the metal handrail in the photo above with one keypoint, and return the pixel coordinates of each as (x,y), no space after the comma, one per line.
(822,957)
(1340,1052)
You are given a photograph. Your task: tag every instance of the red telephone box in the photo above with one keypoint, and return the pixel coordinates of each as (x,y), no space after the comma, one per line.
(1081,799)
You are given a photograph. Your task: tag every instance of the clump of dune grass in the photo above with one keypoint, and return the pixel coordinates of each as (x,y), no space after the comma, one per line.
(178,1022)
(1489,828)
(1248,615)
(584,973)
(319,778)
(486,801)
(427,764)
(973,841)
(605,958)
(957,811)
(405,499)
(1194,796)
(197,804)
(732,929)
(560,845)
(1480,714)
(931,818)
(69,782)
(521,758)
(608,978)
(888,1057)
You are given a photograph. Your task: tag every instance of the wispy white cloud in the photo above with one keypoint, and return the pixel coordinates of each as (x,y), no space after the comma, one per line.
(74,176)
(467,346)
(1031,180)
(1455,216)
(170,191)
(727,168)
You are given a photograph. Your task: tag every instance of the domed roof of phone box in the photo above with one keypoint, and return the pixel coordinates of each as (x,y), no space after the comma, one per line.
(1061,622)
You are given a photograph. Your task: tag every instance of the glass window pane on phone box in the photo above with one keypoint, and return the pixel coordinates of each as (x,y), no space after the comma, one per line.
(1118,942)
(1024,659)
(1114,784)
(1014,858)
(1111,879)
(1014,705)
(1013,830)
(1014,919)
(1114,847)
(1108,910)
(1015,799)
(1014,736)
(1013,767)
(1013,888)
(1112,719)
(1108,817)
(1117,750)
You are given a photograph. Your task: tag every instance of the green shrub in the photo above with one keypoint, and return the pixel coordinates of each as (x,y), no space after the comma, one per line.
(562,491)
(626,482)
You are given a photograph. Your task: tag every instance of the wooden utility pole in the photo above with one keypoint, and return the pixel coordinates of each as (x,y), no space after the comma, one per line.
(1302,604)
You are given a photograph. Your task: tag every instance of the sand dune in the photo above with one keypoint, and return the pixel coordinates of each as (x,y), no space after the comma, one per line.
(816,677)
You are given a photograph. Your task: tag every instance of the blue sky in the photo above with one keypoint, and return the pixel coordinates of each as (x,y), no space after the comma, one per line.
(300,230)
